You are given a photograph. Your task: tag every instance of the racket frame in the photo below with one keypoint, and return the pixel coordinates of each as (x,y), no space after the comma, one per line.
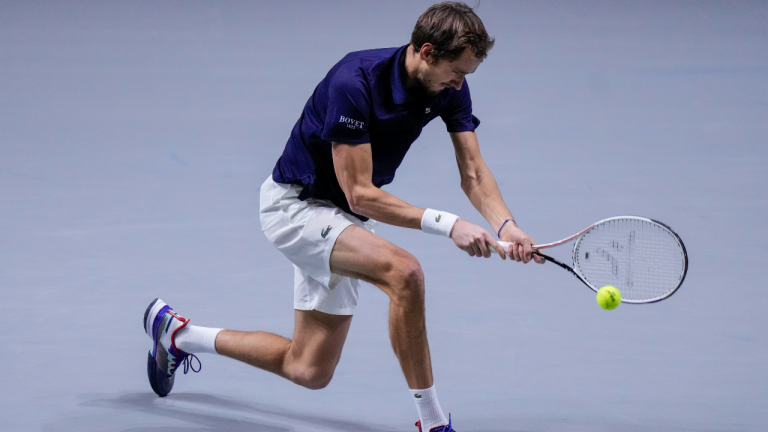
(580,235)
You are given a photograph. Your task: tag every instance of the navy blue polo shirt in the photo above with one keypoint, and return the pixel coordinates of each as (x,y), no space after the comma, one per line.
(364,99)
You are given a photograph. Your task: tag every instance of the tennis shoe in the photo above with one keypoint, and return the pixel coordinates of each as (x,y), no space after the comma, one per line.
(443,428)
(161,324)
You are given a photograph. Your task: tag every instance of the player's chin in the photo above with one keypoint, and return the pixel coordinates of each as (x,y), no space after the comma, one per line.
(432,92)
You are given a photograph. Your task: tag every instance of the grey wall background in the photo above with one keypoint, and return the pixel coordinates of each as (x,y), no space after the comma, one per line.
(134,137)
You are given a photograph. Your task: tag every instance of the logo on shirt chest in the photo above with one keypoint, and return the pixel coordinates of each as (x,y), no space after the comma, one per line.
(427,110)
(352,123)
(324,233)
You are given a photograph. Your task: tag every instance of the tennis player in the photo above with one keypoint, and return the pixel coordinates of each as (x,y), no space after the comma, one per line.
(319,205)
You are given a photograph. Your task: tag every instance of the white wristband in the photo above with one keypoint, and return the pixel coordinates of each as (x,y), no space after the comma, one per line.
(438,222)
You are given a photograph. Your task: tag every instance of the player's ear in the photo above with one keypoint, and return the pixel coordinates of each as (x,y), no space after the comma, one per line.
(426,52)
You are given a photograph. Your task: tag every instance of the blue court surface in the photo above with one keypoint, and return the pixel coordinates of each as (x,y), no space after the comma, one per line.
(134,137)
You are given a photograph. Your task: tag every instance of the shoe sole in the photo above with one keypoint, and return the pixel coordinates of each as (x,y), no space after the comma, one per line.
(160,382)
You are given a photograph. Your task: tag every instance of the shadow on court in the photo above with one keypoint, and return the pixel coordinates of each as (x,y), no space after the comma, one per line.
(203,412)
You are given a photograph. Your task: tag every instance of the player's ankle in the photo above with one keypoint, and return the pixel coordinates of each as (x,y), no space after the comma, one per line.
(430,413)
(195,339)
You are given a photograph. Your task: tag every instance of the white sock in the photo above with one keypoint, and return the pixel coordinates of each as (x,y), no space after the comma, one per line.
(195,339)
(428,407)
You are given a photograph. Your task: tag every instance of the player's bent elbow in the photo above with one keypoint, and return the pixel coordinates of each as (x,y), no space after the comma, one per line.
(468,182)
(354,205)
(357,198)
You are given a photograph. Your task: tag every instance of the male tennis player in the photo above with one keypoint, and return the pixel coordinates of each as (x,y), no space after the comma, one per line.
(318,205)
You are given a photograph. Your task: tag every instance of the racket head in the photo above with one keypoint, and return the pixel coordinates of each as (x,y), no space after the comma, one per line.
(644,258)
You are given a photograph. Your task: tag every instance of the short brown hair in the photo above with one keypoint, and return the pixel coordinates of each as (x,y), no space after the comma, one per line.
(451,27)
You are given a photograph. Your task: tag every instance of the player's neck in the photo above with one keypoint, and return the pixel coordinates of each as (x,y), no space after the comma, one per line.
(411,66)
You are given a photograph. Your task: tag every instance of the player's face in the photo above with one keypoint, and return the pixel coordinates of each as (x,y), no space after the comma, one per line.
(434,78)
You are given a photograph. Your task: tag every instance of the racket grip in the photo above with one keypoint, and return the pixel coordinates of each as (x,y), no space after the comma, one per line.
(506,245)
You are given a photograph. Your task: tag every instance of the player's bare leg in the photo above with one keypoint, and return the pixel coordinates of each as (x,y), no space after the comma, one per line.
(308,360)
(311,357)
(365,256)
(362,255)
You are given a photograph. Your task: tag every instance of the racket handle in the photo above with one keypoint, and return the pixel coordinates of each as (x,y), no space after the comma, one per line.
(506,245)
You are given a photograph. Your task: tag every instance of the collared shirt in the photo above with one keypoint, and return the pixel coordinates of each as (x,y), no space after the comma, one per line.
(364,99)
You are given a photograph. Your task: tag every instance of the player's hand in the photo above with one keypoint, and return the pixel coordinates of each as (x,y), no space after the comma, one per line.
(474,240)
(521,249)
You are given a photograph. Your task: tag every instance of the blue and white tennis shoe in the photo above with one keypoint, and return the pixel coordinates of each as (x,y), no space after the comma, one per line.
(161,324)
(444,428)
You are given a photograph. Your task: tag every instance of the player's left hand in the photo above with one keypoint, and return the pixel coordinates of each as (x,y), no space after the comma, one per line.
(474,240)
(521,249)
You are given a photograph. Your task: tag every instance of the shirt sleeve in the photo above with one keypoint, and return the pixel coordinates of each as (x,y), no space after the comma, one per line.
(349,108)
(458,115)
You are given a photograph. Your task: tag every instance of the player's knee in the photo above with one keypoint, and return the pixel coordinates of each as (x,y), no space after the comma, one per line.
(315,378)
(409,284)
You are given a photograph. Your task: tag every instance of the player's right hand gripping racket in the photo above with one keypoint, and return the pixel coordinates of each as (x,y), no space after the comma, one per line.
(641,257)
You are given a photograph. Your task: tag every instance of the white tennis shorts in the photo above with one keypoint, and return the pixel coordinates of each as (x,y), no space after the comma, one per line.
(305,232)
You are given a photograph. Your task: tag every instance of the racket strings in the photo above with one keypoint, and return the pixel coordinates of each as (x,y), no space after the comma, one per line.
(641,258)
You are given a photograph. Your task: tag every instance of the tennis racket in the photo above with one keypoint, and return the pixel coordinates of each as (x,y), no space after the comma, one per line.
(641,257)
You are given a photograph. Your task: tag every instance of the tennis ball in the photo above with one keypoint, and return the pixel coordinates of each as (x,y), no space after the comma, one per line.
(608,297)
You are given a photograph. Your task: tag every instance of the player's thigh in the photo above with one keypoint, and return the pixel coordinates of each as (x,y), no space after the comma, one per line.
(319,337)
(363,255)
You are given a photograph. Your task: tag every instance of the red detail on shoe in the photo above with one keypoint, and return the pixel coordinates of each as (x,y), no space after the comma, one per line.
(434,429)
(175,315)
(173,335)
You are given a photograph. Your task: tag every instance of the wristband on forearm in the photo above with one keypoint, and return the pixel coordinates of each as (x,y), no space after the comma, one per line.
(438,222)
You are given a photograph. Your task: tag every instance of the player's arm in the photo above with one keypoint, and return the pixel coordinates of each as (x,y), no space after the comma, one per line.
(478,184)
(354,170)
(354,167)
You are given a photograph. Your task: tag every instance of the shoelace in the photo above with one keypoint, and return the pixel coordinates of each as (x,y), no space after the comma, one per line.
(188,365)
(448,428)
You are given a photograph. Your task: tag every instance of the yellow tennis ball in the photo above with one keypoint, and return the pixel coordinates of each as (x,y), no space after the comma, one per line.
(608,297)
